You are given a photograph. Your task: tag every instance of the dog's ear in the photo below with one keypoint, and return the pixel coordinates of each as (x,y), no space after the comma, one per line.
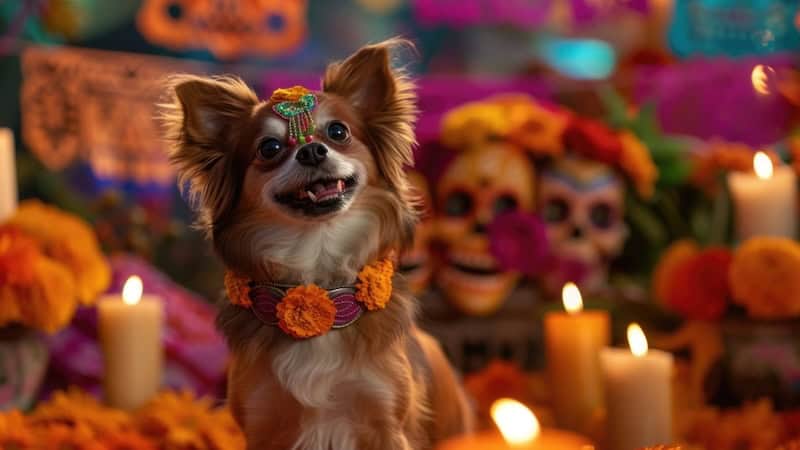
(199,118)
(385,99)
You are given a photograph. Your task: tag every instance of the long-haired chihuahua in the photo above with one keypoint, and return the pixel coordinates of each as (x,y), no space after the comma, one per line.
(305,199)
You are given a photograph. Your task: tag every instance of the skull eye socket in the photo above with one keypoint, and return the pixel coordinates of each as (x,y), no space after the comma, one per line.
(602,215)
(458,204)
(555,210)
(504,203)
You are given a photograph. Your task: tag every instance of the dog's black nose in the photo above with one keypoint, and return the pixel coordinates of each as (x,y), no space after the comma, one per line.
(311,154)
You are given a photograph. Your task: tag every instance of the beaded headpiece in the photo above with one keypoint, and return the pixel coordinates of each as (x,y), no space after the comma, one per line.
(295,105)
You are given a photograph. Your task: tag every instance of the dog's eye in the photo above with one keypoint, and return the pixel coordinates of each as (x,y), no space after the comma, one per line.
(338,131)
(268,148)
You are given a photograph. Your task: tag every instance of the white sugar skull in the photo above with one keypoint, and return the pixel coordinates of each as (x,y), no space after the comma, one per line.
(582,203)
(416,263)
(480,184)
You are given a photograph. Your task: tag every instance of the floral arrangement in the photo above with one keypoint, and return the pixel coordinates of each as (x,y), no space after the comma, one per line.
(76,420)
(759,275)
(549,133)
(50,263)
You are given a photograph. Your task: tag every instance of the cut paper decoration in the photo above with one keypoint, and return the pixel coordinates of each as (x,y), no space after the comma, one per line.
(227,28)
(98,107)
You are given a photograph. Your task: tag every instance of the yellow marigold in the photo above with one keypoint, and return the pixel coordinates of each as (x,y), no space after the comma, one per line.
(474,124)
(291,94)
(70,241)
(672,258)
(764,279)
(531,126)
(306,311)
(374,286)
(636,163)
(238,289)
(14,432)
(75,407)
(127,440)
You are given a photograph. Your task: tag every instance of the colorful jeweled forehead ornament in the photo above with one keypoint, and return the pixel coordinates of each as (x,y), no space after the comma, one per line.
(295,105)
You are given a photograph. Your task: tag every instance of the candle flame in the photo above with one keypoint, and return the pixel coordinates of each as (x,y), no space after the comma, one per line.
(571,298)
(759,77)
(516,422)
(637,340)
(762,165)
(132,290)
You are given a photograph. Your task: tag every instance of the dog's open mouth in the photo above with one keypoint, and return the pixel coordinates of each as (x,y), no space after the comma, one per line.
(319,197)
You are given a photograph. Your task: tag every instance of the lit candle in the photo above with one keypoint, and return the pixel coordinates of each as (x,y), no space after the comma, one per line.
(130,337)
(765,202)
(8,175)
(638,389)
(519,430)
(573,340)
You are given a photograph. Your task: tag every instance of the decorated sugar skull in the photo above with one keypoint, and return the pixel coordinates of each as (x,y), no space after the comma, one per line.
(417,263)
(582,204)
(480,184)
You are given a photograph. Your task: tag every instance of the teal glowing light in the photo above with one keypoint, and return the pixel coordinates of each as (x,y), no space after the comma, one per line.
(584,59)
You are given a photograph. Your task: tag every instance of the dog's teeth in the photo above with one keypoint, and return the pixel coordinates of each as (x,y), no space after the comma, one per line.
(340,185)
(312,196)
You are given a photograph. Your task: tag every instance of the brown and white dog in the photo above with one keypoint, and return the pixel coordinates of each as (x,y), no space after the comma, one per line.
(317,213)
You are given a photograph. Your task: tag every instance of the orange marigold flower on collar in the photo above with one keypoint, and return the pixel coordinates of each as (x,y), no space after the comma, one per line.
(306,311)
(374,286)
(291,94)
(764,279)
(592,139)
(636,163)
(238,289)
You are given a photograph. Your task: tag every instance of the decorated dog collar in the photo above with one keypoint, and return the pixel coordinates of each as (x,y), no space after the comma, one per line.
(308,310)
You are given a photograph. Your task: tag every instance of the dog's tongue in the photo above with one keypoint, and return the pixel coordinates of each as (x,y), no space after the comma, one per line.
(324,190)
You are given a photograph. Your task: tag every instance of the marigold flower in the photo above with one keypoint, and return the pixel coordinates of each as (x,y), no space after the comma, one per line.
(291,94)
(127,440)
(474,124)
(14,432)
(306,311)
(764,279)
(672,258)
(238,289)
(754,426)
(531,126)
(699,285)
(636,163)
(68,240)
(75,407)
(374,286)
(63,437)
(497,380)
(722,157)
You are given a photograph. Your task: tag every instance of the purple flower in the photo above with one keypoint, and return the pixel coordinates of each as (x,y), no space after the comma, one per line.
(518,241)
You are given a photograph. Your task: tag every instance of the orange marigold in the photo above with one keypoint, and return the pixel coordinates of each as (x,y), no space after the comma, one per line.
(672,258)
(374,286)
(531,126)
(127,440)
(70,241)
(497,380)
(764,279)
(306,311)
(291,94)
(63,437)
(721,157)
(636,163)
(238,289)
(14,432)
(474,124)
(74,408)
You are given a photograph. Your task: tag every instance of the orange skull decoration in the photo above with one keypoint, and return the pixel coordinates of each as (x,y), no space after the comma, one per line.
(480,184)
(416,263)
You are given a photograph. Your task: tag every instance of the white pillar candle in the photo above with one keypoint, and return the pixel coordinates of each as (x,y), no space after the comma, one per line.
(130,329)
(638,394)
(8,175)
(573,339)
(765,202)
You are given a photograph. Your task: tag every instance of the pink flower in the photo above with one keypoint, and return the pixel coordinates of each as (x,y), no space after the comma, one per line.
(518,241)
